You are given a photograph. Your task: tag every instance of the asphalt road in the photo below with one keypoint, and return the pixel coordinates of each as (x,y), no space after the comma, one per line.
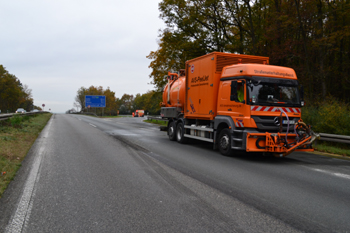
(87,174)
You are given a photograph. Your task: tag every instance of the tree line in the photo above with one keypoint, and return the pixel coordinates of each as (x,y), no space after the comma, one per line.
(124,105)
(13,94)
(311,36)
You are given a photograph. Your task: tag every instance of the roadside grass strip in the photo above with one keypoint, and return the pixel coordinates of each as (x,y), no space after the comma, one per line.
(158,122)
(332,149)
(17,135)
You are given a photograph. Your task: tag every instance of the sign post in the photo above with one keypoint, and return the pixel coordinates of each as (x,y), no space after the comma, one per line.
(95,101)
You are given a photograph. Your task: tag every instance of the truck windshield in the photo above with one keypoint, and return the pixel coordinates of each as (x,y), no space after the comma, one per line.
(273,94)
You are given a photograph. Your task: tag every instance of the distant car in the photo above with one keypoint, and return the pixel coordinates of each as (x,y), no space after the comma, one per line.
(20,110)
(35,110)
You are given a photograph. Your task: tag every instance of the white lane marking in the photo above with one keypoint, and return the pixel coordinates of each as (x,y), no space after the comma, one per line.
(332,173)
(152,129)
(92,125)
(122,134)
(24,207)
(342,175)
(79,119)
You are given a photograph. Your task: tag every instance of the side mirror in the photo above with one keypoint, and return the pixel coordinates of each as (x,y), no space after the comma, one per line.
(301,92)
(233,96)
(302,103)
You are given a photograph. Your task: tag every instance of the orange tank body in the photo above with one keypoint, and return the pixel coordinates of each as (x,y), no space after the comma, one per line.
(176,96)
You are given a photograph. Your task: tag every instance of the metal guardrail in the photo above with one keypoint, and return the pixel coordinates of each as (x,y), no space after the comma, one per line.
(156,118)
(334,138)
(5,116)
(9,115)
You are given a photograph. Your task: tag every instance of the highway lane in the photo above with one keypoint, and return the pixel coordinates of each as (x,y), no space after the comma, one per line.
(308,191)
(124,175)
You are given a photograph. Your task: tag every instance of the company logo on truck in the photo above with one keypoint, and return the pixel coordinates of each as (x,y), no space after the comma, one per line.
(204,78)
(192,69)
(199,81)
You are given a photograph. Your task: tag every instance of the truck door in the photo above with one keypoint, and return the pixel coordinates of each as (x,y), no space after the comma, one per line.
(232,98)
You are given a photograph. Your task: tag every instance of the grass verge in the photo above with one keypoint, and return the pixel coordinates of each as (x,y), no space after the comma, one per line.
(17,135)
(158,122)
(333,148)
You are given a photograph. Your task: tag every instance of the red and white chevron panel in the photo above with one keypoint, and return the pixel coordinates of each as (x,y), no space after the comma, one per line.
(274,109)
(239,123)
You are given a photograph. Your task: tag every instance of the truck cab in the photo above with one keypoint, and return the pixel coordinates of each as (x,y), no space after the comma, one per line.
(252,98)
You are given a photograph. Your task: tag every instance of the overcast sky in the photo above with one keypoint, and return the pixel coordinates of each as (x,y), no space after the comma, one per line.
(56,47)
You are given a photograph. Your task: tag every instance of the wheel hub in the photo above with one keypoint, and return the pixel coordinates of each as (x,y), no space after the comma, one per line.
(224,142)
(179,132)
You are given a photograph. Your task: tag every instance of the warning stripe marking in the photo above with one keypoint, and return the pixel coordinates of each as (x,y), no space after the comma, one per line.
(273,109)
(239,124)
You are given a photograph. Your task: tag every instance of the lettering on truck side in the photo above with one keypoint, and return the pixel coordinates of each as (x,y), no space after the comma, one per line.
(204,78)
(231,105)
(273,73)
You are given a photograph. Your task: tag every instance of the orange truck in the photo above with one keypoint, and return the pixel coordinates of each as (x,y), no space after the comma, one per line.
(139,113)
(237,102)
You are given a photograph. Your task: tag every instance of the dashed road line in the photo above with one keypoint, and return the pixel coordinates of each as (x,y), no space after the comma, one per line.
(152,129)
(332,173)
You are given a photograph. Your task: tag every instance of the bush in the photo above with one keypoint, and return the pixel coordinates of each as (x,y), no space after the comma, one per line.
(16,121)
(330,116)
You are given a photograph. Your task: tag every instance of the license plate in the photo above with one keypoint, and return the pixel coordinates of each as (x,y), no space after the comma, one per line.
(290,122)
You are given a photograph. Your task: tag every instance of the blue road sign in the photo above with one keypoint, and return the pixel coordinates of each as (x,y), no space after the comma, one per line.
(95,101)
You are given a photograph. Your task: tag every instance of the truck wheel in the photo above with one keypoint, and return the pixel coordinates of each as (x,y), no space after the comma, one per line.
(180,131)
(224,142)
(172,131)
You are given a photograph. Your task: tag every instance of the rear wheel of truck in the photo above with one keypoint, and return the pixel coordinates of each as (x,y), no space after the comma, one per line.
(224,142)
(172,131)
(180,131)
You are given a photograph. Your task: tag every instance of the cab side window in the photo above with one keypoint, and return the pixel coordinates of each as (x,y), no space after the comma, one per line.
(237,91)
(240,92)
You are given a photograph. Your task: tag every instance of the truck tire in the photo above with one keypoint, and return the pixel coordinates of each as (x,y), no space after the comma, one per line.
(224,142)
(180,131)
(172,131)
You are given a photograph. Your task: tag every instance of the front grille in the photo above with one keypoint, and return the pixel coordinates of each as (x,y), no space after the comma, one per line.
(266,124)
